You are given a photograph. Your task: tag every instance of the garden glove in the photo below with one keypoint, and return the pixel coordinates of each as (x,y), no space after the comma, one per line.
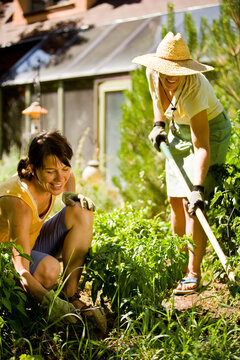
(70,198)
(59,308)
(196,199)
(158,134)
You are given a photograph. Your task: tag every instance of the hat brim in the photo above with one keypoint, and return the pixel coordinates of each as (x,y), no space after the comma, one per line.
(171,67)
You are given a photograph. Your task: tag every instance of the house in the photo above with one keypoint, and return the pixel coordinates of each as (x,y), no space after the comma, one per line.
(76,54)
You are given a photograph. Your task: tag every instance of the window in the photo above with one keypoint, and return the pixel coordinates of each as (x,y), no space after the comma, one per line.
(37,5)
(111,97)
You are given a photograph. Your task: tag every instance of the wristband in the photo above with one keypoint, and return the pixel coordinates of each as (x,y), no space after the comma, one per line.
(159,123)
(198,188)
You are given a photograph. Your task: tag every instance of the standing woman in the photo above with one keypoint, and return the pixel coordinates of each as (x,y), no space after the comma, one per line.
(199,133)
(26,201)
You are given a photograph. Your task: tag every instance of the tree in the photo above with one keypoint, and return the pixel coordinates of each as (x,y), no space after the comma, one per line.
(225,52)
(143,178)
(219,44)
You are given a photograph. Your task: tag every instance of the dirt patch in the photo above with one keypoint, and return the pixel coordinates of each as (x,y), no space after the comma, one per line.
(214,298)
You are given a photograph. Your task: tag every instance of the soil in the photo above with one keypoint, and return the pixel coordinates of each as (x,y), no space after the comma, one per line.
(214,298)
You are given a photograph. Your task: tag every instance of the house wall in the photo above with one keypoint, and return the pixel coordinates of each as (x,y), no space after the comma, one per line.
(23,16)
(49,102)
(71,113)
(79,124)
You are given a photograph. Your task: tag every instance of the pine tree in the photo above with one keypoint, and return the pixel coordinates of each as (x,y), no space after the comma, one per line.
(219,44)
(224,51)
(141,166)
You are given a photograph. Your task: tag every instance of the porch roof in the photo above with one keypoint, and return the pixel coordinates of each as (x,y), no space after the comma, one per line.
(97,50)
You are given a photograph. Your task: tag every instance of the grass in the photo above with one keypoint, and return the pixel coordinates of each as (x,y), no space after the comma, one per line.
(187,335)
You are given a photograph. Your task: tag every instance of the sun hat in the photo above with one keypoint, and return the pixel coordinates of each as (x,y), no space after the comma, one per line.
(172,58)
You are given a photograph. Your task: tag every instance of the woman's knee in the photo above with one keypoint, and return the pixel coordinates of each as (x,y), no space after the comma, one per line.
(48,271)
(176,203)
(76,215)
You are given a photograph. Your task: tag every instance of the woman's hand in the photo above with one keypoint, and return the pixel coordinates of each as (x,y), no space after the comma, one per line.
(57,308)
(157,135)
(196,199)
(70,198)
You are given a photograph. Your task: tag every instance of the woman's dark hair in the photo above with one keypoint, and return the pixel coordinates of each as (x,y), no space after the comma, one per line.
(44,144)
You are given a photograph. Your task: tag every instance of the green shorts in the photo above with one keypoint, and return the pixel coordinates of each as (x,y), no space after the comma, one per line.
(181,147)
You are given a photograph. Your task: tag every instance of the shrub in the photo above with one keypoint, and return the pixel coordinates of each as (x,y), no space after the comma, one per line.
(224,211)
(133,261)
(14,320)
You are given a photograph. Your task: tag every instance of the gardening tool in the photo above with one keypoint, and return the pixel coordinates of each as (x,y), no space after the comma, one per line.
(202,219)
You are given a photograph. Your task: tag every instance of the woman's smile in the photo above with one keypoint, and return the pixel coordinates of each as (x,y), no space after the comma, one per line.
(54,175)
(170,83)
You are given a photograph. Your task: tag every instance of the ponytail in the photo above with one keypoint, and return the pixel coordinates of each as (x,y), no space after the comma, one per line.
(23,169)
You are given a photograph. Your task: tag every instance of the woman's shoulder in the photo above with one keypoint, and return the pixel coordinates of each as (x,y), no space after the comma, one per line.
(16,189)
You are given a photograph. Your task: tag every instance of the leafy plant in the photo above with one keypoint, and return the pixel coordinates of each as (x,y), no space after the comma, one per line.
(13,300)
(133,262)
(224,211)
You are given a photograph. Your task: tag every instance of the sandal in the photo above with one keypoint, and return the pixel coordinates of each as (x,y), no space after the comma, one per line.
(94,312)
(188,291)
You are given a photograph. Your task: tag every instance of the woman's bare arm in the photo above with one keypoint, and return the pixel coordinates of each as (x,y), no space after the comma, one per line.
(200,138)
(20,218)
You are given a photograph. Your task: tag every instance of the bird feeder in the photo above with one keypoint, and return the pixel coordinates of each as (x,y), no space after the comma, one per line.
(35,110)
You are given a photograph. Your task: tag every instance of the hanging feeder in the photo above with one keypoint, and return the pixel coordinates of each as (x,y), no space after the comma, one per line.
(35,110)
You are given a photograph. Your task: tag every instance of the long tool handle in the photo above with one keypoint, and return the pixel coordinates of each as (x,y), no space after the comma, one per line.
(199,213)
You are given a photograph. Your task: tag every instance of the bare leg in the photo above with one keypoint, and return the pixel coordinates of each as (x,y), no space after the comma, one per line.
(195,230)
(76,244)
(47,272)
(178,221)
(196,253)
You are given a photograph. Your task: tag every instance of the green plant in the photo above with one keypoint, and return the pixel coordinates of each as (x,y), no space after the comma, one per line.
(224,210)
(219,44)
(12,298)
(143,178)
(133,261)
(224,51)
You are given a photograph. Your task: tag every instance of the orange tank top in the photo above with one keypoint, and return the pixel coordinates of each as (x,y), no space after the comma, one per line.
(15,187)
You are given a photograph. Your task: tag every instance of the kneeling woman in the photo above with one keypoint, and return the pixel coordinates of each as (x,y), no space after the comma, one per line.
(26,201)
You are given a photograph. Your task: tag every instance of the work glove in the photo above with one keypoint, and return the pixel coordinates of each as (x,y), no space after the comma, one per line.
(196,199)
(70,198)
(158,134)
(58,307)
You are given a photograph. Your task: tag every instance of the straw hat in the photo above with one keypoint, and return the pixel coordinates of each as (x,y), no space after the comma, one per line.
(172,58)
